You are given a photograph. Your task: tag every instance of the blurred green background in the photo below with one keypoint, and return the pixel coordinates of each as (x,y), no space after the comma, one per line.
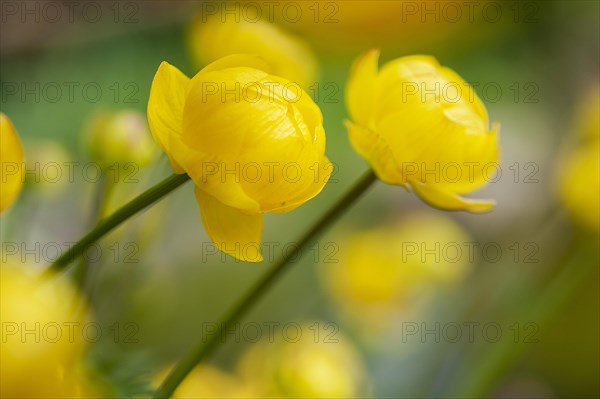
(544,56)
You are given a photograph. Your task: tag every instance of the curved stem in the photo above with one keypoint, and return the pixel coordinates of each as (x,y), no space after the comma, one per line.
(205,347)
(575,270)
(136,205)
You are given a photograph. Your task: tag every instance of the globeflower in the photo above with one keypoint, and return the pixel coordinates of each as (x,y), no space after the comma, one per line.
(579,165)
(397,269)
(43,154)
(218,36)
(118,139)
(316,360)
(421,126)
(252,143)
(42,341)
(11,163)
(207,381)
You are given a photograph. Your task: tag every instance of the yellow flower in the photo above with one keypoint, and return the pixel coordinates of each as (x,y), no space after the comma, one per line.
(119,139)
(312,360)
(46,163)
(213,37)
(207,381)
(11,163)
(397,268)
(43,338)
(251,142)
(421,126)
(354,24)
(579,174)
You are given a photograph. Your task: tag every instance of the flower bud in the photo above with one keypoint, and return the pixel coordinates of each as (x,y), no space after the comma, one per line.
(47,167)
(118,139)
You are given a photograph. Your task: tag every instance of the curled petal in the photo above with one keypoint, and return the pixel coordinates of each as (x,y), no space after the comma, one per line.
(450,201)
(234,232)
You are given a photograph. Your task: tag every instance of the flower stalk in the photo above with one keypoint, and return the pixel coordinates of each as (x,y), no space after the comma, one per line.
(144,200)
(204,348)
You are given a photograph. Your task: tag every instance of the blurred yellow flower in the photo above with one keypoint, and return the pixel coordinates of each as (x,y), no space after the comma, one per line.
(46,164)
(251,142)
(213,37)
(354,24)
(207,381)
(315,361)
(118,139)
(42,338)
(11,163)
(397,268)
(421,126)
(579,174)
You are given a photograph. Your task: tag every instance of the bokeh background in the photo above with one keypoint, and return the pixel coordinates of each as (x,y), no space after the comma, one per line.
(505,304)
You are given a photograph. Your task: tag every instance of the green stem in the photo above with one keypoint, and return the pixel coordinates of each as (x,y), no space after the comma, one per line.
(205,347)
(82,271)
(136,205)
(478,381)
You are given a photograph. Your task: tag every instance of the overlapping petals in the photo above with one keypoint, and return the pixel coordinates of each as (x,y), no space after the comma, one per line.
(252,143)
(420,125)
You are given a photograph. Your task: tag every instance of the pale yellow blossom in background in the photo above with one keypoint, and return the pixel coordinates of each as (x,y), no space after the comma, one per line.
(214,36)
(312,359)
(579,168)
(207,381)
(43,337)
(119,139)
(398,268)
(47,164)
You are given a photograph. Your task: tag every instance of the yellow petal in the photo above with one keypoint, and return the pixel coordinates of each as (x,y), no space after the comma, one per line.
(360,89)
(234,232)
(165,108)
(449,201)
(211,173)
(319,176)
(11,163)
(469,95)
(271,148)
(373,148)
